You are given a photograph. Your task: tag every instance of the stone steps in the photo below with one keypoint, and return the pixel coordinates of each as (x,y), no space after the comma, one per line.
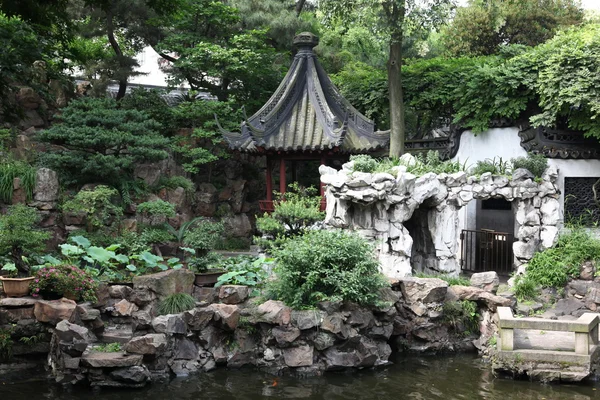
(110,360)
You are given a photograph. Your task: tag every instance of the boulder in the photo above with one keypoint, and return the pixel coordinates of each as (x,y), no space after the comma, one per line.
(424,290)
(153,343)
(333,323)
(120,291)
(285,335)
(53,311)
(182,368)
(274,312)
(301,356)
(124,308)
(166,283)
(111,360)
(233,294)
(185,349)
(487,281)
(587,271)
(307,319)
(68,332)
(136,374)
(475,294)
(46,185)
(207,294)
(171,324)
(198,318)
(228,315)
(141,319)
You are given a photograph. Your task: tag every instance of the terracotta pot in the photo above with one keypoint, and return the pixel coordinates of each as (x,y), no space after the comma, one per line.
(208,278)
(16,287)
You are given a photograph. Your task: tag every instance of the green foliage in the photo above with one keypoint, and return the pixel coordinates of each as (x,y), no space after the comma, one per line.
(101,142)
(98,205)
(326,265)
(553,267)
(176,303)
(205,143)
(452,280)
(431,162)
(232,243)
(107,348)
(64,280)
(203,236)
(152,103)
(534,163)
(493,166)
(243,270)
(525,288)
(173,182)
(481,28)
(296,211)
(461,316)
(157,208)
(20,236)
(11,169)
(204,263)
(6,344)
(152,235)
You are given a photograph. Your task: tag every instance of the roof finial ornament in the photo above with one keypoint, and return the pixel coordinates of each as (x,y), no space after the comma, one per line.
(306,41)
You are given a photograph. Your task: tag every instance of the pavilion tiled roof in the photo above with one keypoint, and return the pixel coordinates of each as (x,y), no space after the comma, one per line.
(307,113)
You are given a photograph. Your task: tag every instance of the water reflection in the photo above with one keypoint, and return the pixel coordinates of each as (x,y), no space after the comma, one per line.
(422,378)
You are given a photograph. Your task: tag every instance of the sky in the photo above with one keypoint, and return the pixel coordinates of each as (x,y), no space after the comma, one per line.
(591,4)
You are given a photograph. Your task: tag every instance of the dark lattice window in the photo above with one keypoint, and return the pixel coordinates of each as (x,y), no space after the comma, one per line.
(579,201)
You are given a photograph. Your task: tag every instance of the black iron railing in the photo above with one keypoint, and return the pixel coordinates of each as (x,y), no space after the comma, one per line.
(487,250)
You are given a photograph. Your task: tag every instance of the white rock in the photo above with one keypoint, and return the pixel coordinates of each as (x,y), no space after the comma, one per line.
(548,237)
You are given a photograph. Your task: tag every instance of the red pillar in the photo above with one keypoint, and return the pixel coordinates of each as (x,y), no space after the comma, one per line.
(282,184)
(269,180)
(321,186)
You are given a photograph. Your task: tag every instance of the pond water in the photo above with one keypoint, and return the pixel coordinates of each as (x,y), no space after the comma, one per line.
(422,378)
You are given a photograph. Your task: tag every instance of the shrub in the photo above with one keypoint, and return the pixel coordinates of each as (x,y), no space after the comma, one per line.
(326,265)
(6,344)
(525,288)
(493,166)
(154,235)
(534,163)
(461,315)
(174,182)
(295,211)
(19,235)
(101,142)
(107,348)
(203,236)
(176,303)
(553,267)
(204,262)
(64,280)
(243,270)
(155,212)
(364,163)
(11,169)
(98,205)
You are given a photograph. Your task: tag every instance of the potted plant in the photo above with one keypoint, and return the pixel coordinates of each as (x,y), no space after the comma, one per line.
(56,281)
(203,267)
(13,286)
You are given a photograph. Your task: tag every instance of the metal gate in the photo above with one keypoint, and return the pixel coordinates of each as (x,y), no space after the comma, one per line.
(486,250)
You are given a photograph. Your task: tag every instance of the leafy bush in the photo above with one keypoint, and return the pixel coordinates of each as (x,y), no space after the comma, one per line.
(295,212)
(553,267)
(155,235)
(174,182)
(243,270)
(64,280)
(11,169)
(451,280)
(101,142)
(19,235)
(461,316)
(232,243)
(493,166)
(107,348)
(326,265)
(203,263)
(98,205)
(203,236)
(534,163)
(157,208)
(176,303)
(525,288)
(364,163)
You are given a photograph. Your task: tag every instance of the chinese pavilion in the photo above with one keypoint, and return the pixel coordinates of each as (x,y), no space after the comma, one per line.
(305,119)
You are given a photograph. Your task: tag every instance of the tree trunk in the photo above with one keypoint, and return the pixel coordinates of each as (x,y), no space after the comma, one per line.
(397,131)
(110,32)
(299,7)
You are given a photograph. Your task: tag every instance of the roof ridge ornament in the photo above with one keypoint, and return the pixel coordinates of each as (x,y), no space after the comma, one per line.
(305,42)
